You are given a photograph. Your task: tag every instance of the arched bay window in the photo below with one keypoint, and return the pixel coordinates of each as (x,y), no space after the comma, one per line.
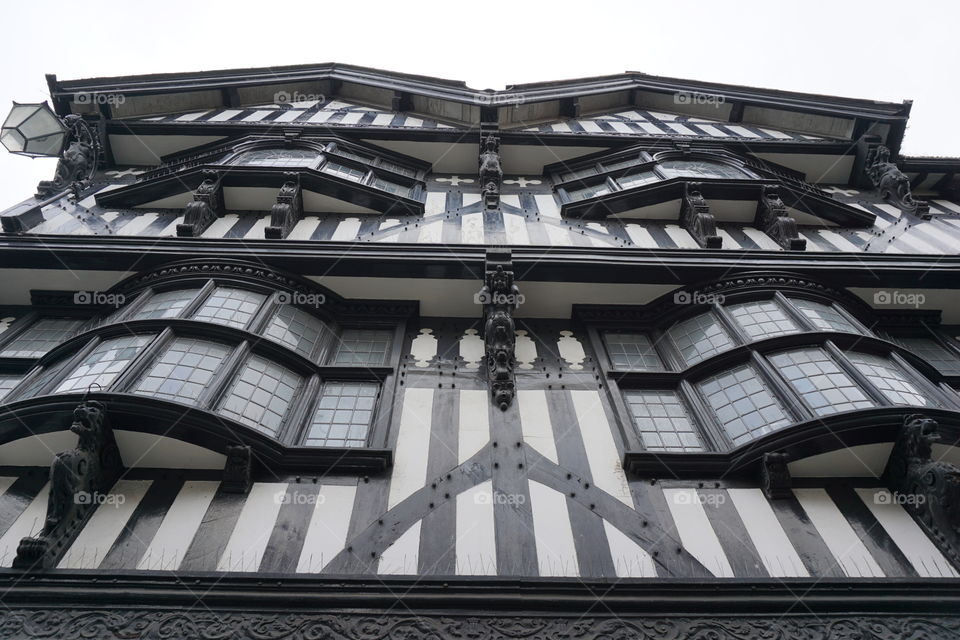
(714,371)
(245,343)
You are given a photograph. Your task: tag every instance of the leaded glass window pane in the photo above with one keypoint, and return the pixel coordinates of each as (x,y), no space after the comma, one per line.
(589,192)
(579,173)
(166,304)
(363,346)
(743,405)
(699,338)
(342,170)
(183,370)
(821,381)
(632,351)
(7,383)
(104,363)
(42,336)
(45,376)
(396,168)
(890,379)
(762,319)
(825,317)
(343,415)
(944,360)
(637,179)
(296,329)
(662,421)
(392,187)
(701,169)
(277,158)
(232,307)
(260,395)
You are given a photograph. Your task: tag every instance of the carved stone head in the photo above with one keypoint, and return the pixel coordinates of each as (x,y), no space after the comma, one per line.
(88,422)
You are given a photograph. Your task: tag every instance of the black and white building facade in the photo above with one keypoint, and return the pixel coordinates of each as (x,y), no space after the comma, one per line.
(331,352)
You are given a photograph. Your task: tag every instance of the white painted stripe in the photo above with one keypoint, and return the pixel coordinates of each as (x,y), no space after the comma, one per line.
(471,228)
(110,216)
(728,241)
(776,134)
(516,229)
(226,114)
(771,541)
(352,118)
(221,226)
(304,228)
(847,548)
(257,116)
(334,105)
(696,532)
(250,536)
(190,117)
(54,223)
(622,127)
(289,115)
(681,236)
(602,454)
(811,243)
(561,127)
(512,199)
(5,483)
(889,208)
(630,560)
(590,126)
(474,424)
(256,232)
(946,204)
(666,117)
(327,532)
(470,198)
(346,231)
(558,236)
(321,116)
(409,472)
(556,551)
(180,523)
(763,241)
(650,128)
(29,523)
(476,546)
(547,205)
(431,233)
(137,225)
(436,203)
(535,422)
(713,131)
(171,229)
(915,237)
(105,525)
(838,240)
(743,131)
(907,534)
(382,120)
(640,236)
(403,556)
(679,128)
(413,122)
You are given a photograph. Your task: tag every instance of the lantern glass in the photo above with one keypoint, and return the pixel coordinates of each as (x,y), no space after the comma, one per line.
(33,130)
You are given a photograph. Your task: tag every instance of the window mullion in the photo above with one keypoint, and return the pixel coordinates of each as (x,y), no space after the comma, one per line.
(194,305)
(794,313)
(69,366)
(136,367)
(854,373)
(792,401)
(134,306)
(732,327)
(228,369)
(918,379)
(291,431)
(712,433)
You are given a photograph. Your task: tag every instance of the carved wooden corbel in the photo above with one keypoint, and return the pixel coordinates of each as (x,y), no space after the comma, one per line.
(931,489)
(490,171)
(499,297)
(78,478)
(287,212)
(237,472)
(893,185)
(773,219)
(696,218)
(206,207)
(775,476)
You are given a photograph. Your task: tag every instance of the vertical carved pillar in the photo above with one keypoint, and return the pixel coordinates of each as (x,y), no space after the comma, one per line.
(490,171)
(206,207)
(77,477)
(287,211)
(499,297)
(696,218)
(772,218)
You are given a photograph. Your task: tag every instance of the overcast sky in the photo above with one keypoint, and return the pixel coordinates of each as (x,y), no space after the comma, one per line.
(888,51)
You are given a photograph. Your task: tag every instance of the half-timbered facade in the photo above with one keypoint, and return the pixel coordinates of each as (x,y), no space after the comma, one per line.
(325,351)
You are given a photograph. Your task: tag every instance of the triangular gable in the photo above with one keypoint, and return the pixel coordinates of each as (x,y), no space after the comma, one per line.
(653,123)
(325,112)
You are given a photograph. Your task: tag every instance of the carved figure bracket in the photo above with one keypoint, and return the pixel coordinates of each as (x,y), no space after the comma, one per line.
(499,297)
(696,218)
(775,476)
(238,470)
(491,172)
(206,207)
(891,183)
(288,210)
(773,219)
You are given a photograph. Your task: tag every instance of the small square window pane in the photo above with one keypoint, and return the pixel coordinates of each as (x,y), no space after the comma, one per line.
(699,338)
(662,421)
(743,406)
(824,316)
(296,329)
(102,365)
(42,336)
(762,319)
(890,379)
(7,383)
(632,351)
(260,395)
(232,307)
(942,359)
(340,420)
(166,304)
(183,370)
(821,381)
(363,346)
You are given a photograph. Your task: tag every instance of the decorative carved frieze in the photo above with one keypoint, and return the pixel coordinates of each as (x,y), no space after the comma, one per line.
(206,207)
(205,624)
(499,297)
(77,478)
(696,218)
(490,171)
(237,472)
(892,184)
(773,219)
(932,487)
(287,211)
(775,476)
